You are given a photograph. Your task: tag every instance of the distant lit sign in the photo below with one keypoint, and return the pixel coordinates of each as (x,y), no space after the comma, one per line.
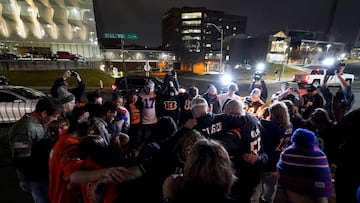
(120,36)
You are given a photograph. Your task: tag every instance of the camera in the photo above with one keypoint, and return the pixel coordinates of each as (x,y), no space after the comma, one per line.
(73,73)
(335,68)
(258,75)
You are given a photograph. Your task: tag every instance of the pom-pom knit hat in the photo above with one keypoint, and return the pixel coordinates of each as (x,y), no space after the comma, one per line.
(66,97)
(303,167)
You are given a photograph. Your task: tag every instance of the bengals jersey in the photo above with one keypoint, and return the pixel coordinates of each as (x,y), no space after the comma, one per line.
(216,125)
(185,108)
(88,189)
(254,107)
(64,160)
(169,105)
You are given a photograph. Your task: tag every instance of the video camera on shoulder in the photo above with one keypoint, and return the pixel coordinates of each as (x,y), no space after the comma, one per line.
(335,68)
(258,75)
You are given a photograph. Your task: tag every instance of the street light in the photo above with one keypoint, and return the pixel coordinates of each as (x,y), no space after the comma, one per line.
(221,41)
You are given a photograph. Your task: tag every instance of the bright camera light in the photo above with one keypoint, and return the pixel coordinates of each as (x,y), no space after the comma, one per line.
(226,79)
(260,66)
(328,61)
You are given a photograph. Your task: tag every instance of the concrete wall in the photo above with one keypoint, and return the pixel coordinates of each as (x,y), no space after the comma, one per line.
(47,65)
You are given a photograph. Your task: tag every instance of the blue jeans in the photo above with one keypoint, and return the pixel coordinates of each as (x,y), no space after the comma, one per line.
(39,190)
(265,192)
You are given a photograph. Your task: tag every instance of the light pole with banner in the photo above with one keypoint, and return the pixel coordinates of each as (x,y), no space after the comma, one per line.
(122,38)
(221,42)
(147,68)
(284,61)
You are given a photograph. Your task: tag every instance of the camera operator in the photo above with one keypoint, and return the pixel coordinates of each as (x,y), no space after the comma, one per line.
(339,104)
(311,101)
(61,84)
(262,87)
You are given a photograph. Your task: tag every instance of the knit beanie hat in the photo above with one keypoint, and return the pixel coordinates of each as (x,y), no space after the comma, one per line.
(303,167)
(66,97)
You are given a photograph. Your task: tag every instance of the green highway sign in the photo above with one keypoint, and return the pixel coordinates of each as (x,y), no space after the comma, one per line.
(120,36)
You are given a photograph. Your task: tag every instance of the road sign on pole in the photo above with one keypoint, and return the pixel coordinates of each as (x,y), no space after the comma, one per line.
(147,68)
(120,36)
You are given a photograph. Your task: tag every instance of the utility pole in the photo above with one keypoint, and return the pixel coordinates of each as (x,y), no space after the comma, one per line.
(124,65)
(221,31)
(283,64)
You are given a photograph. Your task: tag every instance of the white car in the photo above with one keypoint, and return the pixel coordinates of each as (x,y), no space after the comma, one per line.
(15,101)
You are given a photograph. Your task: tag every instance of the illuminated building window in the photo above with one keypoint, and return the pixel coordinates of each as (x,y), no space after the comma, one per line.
(234,28)
(8,7)
(74,14)
(227,57)
(277,46)
(208,45)
(227,27)
(189,31)
(191,22)
(189,37)
(191,15)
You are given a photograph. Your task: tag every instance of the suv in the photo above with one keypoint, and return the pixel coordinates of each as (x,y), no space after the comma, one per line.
(135,83)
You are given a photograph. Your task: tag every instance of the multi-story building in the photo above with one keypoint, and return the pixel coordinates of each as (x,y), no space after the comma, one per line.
(195,35)
(43,26)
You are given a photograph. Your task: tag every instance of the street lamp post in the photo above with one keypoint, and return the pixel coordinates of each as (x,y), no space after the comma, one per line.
(327,48)
(283,64)
(221,42)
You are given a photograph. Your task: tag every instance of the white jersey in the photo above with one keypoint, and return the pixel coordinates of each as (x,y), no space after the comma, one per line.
(225,98)
(148,113)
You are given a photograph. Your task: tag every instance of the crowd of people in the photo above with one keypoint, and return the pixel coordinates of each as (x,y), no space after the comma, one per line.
(176,145)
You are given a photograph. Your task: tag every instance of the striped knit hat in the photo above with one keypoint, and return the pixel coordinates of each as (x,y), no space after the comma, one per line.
(303,167)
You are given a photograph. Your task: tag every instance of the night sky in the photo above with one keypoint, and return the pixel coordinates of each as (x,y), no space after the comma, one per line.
(144,16)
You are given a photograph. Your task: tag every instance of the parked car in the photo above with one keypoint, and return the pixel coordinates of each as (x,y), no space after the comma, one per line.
(15,101)
(8,56)
(81,58)
(62,55)
(135,83)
